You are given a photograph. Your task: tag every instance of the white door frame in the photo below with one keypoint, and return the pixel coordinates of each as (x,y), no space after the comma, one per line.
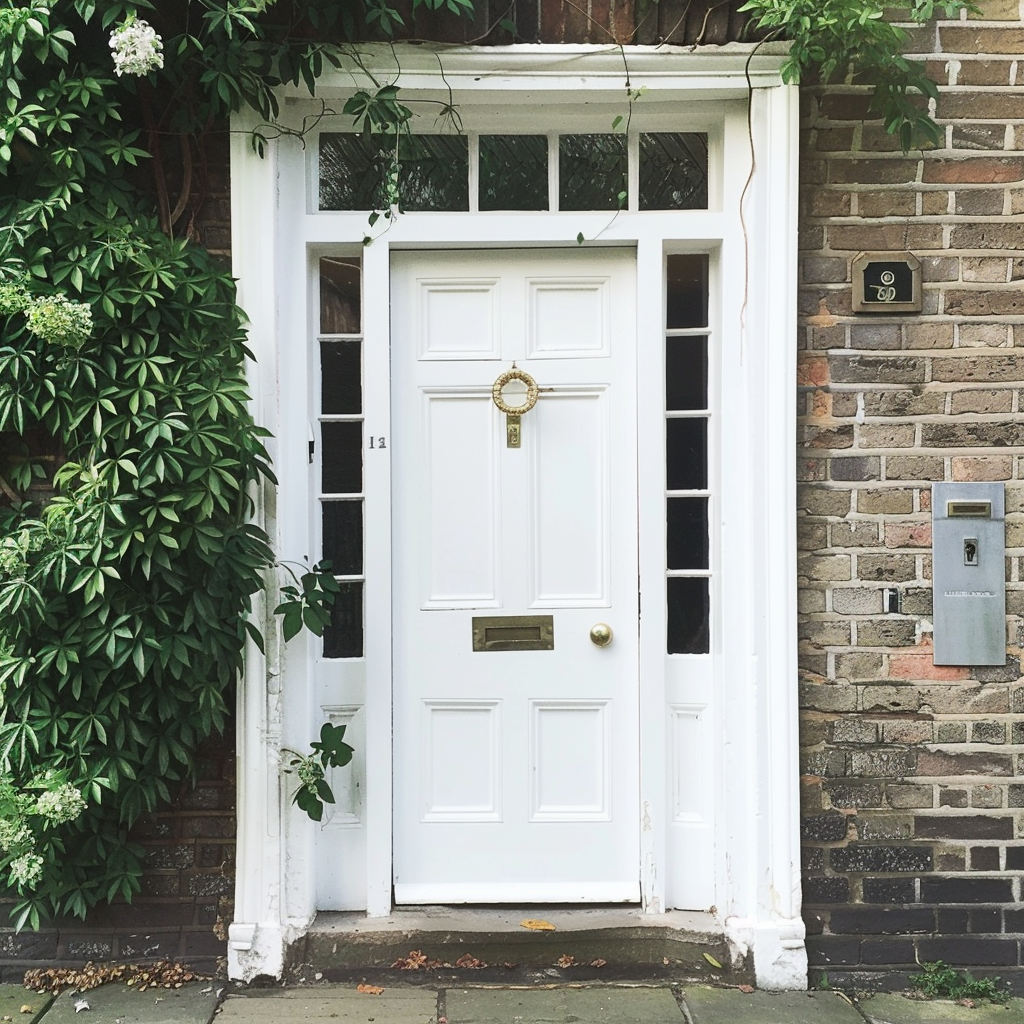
(276,234)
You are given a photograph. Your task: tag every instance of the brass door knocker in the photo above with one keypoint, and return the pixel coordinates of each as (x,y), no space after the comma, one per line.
(513,412)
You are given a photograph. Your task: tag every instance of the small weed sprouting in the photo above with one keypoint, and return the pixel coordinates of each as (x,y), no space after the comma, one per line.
(938,980)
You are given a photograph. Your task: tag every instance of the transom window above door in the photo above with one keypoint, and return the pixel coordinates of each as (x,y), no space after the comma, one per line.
(522,172)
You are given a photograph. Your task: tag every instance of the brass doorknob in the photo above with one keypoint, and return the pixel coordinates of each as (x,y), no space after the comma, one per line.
(601,634)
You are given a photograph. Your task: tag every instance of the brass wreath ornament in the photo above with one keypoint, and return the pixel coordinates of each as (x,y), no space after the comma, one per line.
(532,392)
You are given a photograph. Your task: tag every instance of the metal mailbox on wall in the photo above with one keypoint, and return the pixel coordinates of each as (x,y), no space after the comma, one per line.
(968,573)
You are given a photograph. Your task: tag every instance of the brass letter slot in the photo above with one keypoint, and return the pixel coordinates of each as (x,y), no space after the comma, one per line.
(513,633)
(969,509)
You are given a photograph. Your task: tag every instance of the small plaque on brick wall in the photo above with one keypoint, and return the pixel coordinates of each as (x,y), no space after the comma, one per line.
(886,282)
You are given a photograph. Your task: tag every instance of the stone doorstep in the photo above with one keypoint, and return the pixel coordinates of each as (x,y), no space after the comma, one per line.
(633,945)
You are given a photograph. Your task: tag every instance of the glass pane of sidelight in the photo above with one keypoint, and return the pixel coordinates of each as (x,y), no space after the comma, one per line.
(674,171)
(343,537)
(688,607)
(342,457)
(513,172)
(592,172)
(686,373)
(687,290)
(434,172)
(343,637)
(340,297)
(686,454)
(686,533)
(340,378)
(352,171)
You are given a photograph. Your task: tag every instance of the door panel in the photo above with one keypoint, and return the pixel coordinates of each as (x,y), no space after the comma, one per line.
(516,771)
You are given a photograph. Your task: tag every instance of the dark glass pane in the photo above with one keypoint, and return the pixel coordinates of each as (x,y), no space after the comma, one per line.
(686,373)
(513,172)
(686,533)
(687,287)
(342,457)
(343,537)
(340,388)
(592,171)
(339,295)
(343,637)
(674,171)
(688,606)
(352,171)
(434,172)
(686,454)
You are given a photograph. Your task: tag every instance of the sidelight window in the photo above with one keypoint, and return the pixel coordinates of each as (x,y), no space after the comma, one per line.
(687,423)
(341,449)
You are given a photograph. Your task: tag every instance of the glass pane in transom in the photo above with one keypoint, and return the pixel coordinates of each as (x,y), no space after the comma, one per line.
(513,172)
(673,171)
(592,172)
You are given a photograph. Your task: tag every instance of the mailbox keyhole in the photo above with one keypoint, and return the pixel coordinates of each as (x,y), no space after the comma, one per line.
(970,551)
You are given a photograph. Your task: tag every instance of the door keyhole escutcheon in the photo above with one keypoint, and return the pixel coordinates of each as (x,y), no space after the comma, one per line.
(601,634)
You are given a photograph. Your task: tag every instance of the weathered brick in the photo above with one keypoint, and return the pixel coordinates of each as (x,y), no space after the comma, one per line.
(975,40)
(825,270)
(983,72)
(974,169)
(988,302)
(978,203)
(856,600)
(987,796)
(974,106)
(892,203)
(963,826)
(824,501)
(881,763)
(907,731)
(886,633)
(854,534)
(886,827)
(859,369)
(810,534)
(887,237)
(824,567)
(888,890)
(911,403)
(875,335)
(854,794)
(889,567)
(883,920)
(856,665)
(886,435)
(908,535)
(821,697)
(969,951)
(951,732)
(824,828)
(999,235)
(937,763)
(854,730)
(988,732)
(966,890)
(982,400)
(909,796)
(828,437)
(914,467)
(826,889)
(966,435)
(812,370)
(979,136)
(984,858)
(949,797)
(978,368)
(824,632)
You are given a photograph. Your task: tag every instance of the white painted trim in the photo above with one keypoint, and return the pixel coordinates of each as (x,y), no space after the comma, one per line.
(755,798)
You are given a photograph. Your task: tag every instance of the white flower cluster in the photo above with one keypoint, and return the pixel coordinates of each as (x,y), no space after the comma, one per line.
(13,833)
(27,869)
(137,48)
(59,320)
(60,805)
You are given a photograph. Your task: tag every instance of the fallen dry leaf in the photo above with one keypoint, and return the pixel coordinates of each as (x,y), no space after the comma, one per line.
(746,988)
(536,925)
(162,973)
(26,1008)
(468,960)
(565,960)
(370,990)
(598,962)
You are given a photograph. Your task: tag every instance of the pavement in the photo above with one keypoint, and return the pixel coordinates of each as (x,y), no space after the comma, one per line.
(205,1002)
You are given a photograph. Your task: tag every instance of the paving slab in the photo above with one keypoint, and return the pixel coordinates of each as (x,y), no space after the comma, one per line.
(115,1003)
(330,1005)
(896,1009)
(563,1006)
(730,1006)
(14,997)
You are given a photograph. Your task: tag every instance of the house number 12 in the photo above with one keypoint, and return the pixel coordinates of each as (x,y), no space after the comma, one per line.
(381,442)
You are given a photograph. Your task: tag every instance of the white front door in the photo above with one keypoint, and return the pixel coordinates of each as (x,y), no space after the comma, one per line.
(516,770)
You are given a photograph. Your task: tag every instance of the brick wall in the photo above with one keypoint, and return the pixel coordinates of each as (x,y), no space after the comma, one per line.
(912,775)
